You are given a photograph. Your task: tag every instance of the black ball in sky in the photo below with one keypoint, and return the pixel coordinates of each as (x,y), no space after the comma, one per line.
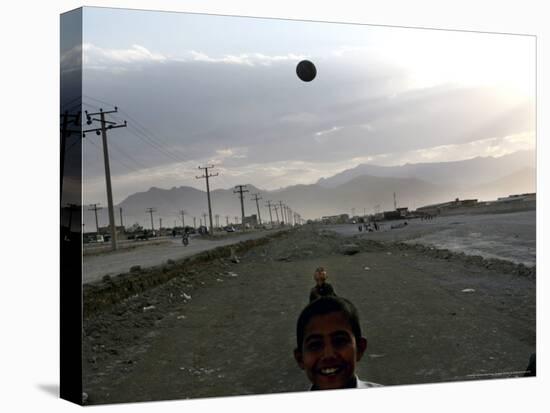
(306,71)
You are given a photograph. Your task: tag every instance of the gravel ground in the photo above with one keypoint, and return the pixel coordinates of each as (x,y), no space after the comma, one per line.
(506,236)
(227,328)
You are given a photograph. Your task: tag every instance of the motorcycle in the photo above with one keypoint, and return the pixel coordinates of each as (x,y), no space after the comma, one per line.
(185,239)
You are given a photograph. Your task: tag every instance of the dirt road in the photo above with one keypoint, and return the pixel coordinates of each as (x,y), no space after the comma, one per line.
(225,328)
(96,266)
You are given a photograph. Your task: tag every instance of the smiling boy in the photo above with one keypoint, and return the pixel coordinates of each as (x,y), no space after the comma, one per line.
(330,344)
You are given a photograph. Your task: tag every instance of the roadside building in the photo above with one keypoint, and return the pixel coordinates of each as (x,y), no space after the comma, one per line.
(518,198)
(436,209)
(251,221)
(403,211)
(335,219)
(395,214)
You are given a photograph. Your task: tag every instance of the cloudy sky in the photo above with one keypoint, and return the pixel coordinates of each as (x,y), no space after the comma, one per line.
(199,90)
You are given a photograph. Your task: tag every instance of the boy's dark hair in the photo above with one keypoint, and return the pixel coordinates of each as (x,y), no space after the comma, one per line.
(326,305)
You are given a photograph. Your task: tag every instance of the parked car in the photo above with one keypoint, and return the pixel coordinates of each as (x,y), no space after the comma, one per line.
(229,228)
(94,239)
(143,235)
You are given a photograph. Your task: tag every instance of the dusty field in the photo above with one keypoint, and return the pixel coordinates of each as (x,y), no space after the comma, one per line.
(224,328)
(510,236)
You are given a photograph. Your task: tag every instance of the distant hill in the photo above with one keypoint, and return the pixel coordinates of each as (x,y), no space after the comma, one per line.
(365,188)
(522,181)
(363,193)
(466,173)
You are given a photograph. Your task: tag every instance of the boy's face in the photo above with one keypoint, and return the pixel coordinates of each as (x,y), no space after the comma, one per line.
(320,277)
(329,351)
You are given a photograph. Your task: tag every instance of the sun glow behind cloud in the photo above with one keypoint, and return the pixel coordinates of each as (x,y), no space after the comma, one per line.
(434,57)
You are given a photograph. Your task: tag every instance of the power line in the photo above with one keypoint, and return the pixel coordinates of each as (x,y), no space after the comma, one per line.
(145,131)
(119,161)
(148,141)
(145,138)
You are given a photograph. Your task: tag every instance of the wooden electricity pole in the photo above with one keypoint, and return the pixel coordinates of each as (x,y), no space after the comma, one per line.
(206,175)
(105,124)
(258,207)
(95,208)
(241,191)
(270,216)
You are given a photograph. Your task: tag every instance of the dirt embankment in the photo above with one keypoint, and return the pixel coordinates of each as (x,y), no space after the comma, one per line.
(221,325)
(111,290)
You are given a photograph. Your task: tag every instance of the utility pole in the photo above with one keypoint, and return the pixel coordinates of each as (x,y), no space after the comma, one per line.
(394,202)
(183,212)
(195,222)
(258,207)
(268,204)
(121,222)
(241,191)
(227,220)
(289,215)
(270,216)
(283,218)
(150,211)
(275,208)
(160,225)
(217,220)
(236,220)
(206,175)
(105,124)
(204,215)
(95,208)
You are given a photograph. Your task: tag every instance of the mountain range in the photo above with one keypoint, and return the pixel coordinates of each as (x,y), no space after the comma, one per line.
(362,189)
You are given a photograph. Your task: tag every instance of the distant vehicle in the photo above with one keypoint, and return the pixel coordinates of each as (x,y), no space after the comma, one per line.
(229,228)
(185,239)
(94,239)
(203,230)
(190,230)
(144,235)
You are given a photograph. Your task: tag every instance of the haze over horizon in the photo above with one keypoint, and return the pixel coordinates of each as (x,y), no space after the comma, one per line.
(200,185)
